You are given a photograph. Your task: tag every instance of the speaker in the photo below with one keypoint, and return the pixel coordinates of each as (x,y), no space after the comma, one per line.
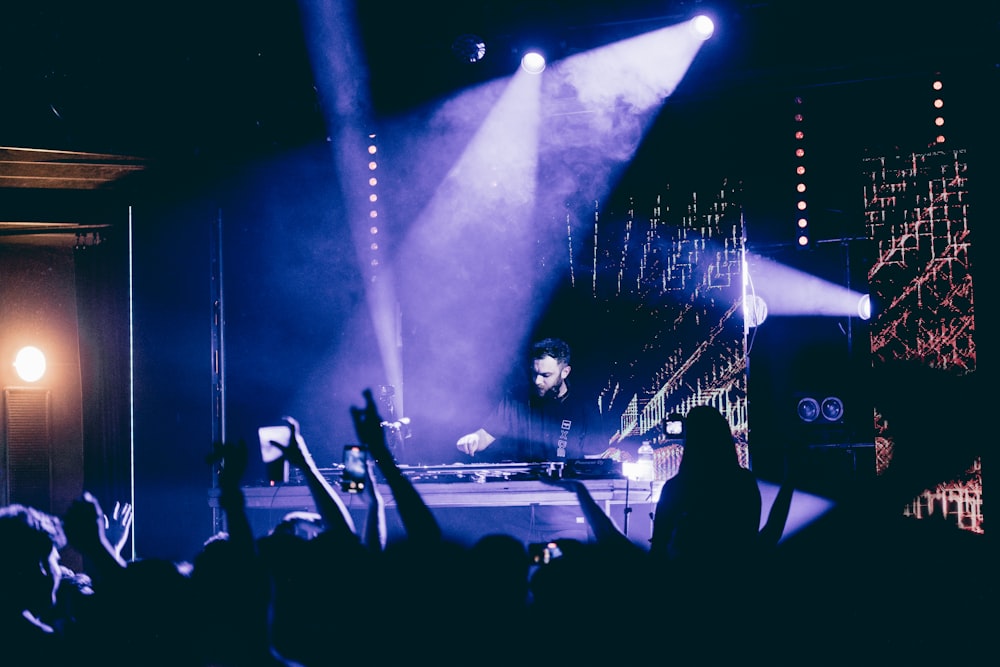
(833,469)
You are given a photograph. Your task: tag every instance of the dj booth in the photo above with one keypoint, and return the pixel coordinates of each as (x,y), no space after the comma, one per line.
(472,501)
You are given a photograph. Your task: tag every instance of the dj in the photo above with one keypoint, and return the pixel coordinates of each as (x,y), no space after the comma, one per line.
(547,422)
(542,422)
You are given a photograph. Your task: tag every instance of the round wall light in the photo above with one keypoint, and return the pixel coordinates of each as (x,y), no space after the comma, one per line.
(30,364)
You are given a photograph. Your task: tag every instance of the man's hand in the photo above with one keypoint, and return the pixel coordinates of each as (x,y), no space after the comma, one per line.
(84,525)
(369,429)
(296,452)
(233,459)
(474,442)
(118,526)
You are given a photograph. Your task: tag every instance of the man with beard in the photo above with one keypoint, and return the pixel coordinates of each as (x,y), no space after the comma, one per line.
(543,422)
(546,423)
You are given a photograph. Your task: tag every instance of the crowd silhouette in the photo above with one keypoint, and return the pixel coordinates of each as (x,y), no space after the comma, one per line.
(718,582)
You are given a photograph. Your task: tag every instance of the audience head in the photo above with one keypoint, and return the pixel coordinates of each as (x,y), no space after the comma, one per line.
(708,440)
(29,557)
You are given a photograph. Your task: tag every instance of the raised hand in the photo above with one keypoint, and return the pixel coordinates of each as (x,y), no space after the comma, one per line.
(419,521)
(329,505)
(296,452)
(84,526)
(234,458)
(118,526)
(369,429)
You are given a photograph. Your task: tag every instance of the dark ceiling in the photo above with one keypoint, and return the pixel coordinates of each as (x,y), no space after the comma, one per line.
(225,78)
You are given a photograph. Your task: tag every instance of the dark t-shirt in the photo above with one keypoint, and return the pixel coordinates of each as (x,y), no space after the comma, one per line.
(532,429)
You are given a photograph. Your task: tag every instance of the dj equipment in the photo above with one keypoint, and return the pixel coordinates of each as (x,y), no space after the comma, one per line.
(481,485)
(474,499)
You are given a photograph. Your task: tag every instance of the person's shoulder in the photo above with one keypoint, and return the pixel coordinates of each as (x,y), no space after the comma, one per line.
(516,397)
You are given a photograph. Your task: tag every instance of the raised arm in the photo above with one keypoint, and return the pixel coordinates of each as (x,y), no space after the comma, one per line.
(603,526)
(84,528)
(417,517)
(376,533)
(329,505)
(232,461)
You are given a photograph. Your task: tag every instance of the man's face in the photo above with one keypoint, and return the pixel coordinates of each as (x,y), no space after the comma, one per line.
(548,376)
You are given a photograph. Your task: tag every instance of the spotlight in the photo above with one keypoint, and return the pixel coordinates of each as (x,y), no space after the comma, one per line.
(533,62)
(469,48)
(703,27)
(754,310)
(865,307)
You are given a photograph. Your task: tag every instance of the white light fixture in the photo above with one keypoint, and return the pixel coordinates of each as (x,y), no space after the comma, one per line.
(865,307)
(703,27)
(469,48)
(754,310)
(30,364)
(533,62)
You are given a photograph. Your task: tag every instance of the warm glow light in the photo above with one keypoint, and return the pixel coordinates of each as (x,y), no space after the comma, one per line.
(939,121)
(30,364)
(799,152)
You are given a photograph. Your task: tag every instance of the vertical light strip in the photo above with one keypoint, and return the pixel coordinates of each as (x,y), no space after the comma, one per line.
(938,103)
(373,210)
(131,386)
(804,237)
(218,356)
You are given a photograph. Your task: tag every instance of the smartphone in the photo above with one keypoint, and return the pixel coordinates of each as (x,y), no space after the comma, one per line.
(275,466)
(543,553)
(355,473)
(268,435)
(673,425)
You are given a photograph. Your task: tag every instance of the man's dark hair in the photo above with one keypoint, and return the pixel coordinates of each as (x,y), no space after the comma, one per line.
(28,535)
(551,347)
